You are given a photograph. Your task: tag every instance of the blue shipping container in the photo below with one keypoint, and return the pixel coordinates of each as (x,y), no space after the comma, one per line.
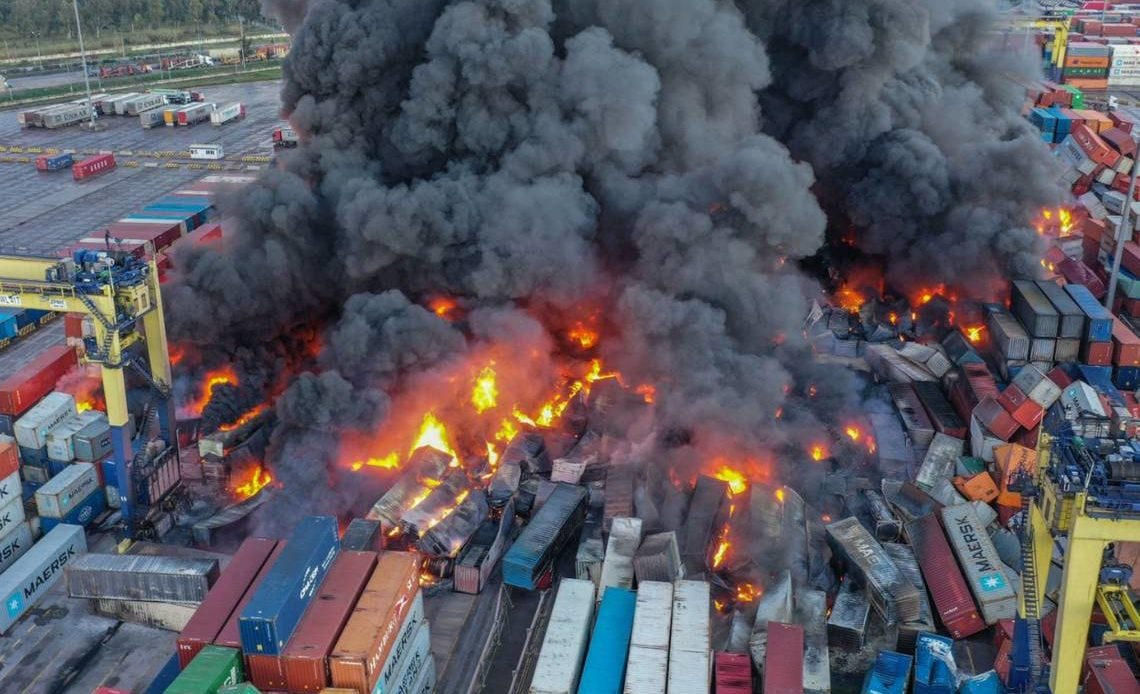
(110,473)
(604,670)
(57,162)
(165,676)
(1100,378)
(272,615)
(1127,377)
(82,514)
(195,213)
(985,683)
(185,224)
(8,326)
(932,675)
(1099,326)
(542,538)
(889,675)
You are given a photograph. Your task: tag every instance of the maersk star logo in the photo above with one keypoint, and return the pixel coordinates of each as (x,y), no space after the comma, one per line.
(993,582)
(15,604)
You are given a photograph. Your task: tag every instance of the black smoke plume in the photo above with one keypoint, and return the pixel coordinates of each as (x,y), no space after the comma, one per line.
(663,160)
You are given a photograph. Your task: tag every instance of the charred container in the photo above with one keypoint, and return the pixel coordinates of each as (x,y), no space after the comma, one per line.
(890,593)
(542,539)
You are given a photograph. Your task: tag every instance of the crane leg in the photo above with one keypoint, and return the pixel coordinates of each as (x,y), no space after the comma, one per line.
(1078,594)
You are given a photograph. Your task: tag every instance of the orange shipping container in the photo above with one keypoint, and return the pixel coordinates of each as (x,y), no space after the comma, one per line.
(1086,61)
(1090,84)
(1011,460)
(980,487)
(371,630)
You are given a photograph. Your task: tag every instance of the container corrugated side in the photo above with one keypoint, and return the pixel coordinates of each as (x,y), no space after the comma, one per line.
(223,597)
(305,659)
(1072,317)
(371,630)
(15,544)
(418,658)
(733,673)
(64,491)
(269,619)
(980,563)
(38,570)
(32,429)
(944,580)
(1010,337)
(1098,327)
(362,535)
(267,672)
(391,670)
(11,514)
(1033,310)
(213,668)
(617,567)
(689,638)
(20,391)
(171,616)
(784,660)
(141,577)
(559,664)
(654,615)
(646,670)
(604,669)
(229,636)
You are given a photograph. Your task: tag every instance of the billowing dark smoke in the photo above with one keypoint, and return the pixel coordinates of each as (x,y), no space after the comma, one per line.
(660,160)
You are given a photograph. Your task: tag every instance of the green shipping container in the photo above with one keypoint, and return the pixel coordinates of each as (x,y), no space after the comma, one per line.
(1078,96)
(213,668)
(243,688)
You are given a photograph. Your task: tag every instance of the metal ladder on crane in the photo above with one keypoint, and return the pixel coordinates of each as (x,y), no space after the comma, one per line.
(1038,679)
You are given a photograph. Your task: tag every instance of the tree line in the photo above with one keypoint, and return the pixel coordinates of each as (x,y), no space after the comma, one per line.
(56,18)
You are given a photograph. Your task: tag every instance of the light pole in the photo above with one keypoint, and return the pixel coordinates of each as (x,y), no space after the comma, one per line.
(83,59)
(1120,233)
(39,54)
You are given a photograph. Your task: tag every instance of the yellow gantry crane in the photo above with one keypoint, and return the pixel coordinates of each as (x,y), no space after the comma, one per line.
(122,296)
(1061,508)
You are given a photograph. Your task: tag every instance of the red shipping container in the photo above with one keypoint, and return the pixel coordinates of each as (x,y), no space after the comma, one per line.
(1122,120)
(1130,258)
(162,235)
(1131,307)
(23,389)
(1119,140)
(733,673)
(1003,663)
(996,419)
(1049,628)
(223,597)
(1092,144)
(1109,676)
(784,660)
(1057,375)
(1027,437)
(1029,414)
(1132,404)
(1125,345)
(1006,512)
(947,586)
(1096,353)
(73,324)
(229,635)
(93,166)
(9,456)
(305,659)
(267,672)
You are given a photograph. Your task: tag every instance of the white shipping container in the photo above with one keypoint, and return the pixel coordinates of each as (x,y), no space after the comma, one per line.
(646,670)
(567,635)
(226,113)
(401,647)
(38,570)
(32,429)
(982,441)
(980,562)
(419,655)
(689,660)
(66,490)
(617,567)
(10,488)
(60,440)
(426,683)
(144,102)
(11,515)
(14,545)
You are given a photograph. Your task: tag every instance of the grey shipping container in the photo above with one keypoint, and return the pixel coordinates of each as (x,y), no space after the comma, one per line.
(14,544)
(1033,310)
(850,614)
(914,416)
(1041,349)
(940,460)
(1068,350)
(890,593)
(1009,336)
(1072,317)
(171,616)
(904,558)
(139,577)
(93,442)
(362,535)
(38,570)
(980,563)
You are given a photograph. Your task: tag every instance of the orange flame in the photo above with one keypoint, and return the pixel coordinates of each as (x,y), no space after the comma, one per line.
(214,379)
(853,432)
(583,335)
(975,333)
(746,592)
(244,419)
(485,394)
(257,481)
(780,494)
(434,434)
(737,482)
(818,452)
(721,548)
(647,392)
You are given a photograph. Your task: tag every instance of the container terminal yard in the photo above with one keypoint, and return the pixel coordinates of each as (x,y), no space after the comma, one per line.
(506,365)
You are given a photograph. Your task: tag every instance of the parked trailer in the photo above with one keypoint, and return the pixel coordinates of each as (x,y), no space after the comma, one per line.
(559,664)
(38,570)
(151,117)
(979,559)
(195,113)
(227,112)
(543,538)
(93,166)
(142,102)
(689,638)
(66,116)
(284,138)
(54,162)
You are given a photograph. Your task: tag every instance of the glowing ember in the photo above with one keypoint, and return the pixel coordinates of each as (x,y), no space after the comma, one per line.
(826,518)
(818,452)
(485,394)
(84,405)
(648,393)
(811,391)
(721,548)
(434,434)
(737,482)
(893,318)
(746,592)
(853,432)
(444,307)
(780,494)
(975,333)
(388,462)
(254,484)
(583,336)
(849,299)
